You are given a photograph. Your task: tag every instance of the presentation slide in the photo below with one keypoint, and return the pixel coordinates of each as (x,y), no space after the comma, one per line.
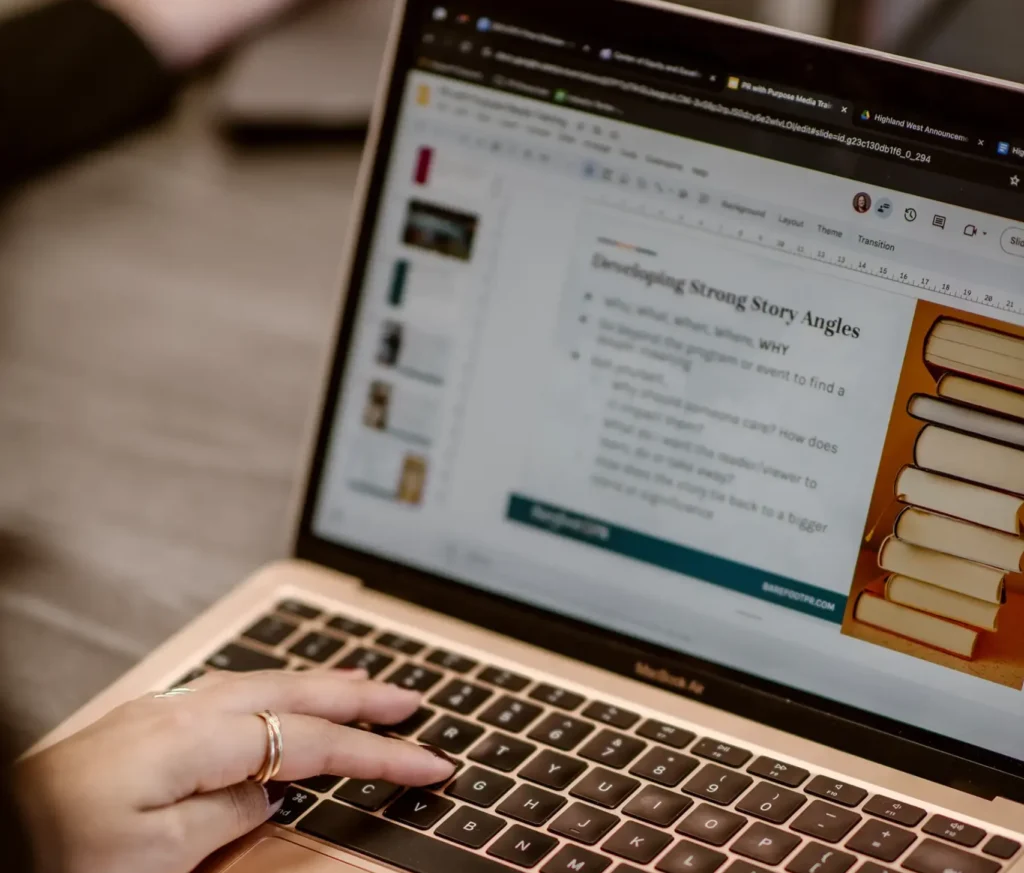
(715,411)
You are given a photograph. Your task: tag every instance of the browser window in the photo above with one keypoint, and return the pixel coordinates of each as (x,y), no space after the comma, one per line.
(736,405)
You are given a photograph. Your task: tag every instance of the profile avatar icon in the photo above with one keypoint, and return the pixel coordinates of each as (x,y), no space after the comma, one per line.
(862,203)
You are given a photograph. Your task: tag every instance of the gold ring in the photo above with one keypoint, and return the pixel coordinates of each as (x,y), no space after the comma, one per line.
(174,692)
(275,746)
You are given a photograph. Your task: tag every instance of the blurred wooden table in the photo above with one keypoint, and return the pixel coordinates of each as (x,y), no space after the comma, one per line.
(165,308)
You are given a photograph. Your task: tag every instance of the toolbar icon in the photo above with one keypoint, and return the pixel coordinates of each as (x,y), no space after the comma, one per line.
(483,25)
(939,221)
(910,214)
(440,13)
(606,54)
(971,230)
(884,208)
(734,83)
(1003,148)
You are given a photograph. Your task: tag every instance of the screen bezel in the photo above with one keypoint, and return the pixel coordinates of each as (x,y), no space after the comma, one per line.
(797,61)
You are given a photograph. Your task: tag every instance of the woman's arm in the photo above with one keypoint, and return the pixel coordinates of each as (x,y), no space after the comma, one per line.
(76,74)
(73,75)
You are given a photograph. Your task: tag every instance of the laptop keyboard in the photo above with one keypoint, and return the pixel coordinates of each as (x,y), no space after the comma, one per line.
(552,781)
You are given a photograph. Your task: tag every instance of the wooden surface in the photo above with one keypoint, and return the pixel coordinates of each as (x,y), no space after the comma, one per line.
(165,308)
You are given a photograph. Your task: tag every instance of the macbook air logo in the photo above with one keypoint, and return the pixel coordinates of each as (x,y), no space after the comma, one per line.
(666,677)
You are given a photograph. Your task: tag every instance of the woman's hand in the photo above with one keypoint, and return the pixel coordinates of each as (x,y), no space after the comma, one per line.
(184,32)
(161,783)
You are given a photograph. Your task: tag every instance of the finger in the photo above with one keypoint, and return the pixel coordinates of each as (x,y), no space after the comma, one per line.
(321,693)
(232,748)
(207,822)
(212,678)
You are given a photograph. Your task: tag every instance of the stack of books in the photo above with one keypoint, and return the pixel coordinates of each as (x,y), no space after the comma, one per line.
(960,534)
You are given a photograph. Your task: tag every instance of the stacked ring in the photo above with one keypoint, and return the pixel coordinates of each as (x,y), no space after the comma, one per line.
(275,746)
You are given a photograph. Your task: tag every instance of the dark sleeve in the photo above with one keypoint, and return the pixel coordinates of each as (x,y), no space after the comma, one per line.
(72,77)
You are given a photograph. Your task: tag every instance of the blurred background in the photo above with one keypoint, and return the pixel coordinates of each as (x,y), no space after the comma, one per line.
(166,307)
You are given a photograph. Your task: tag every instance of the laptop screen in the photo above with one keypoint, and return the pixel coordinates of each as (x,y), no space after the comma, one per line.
(697,356)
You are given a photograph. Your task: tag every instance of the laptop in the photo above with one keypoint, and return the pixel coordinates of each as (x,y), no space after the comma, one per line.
(671,446)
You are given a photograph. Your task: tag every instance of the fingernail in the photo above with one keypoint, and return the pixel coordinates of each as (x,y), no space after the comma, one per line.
(440,753)
(355,674)
(275,792)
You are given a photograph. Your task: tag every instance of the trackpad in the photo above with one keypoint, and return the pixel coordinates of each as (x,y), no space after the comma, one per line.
(279,856)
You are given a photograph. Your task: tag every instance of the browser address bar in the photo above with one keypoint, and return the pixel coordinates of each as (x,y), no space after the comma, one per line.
(715,107)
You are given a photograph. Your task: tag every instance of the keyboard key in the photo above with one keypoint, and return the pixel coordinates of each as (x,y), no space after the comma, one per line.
(896,810)
(766,844)
(452,734)
(461,697)
(451,661)
(561,731)
(667,734)
(604,788)
(634,842)
(419,809)
(881,840)
(553,770)
(317,647)
(612,749)
(271,631)
(523,847)
(531,805)
(503,679)
(872,867)
(657,806)
(241,659)
(717,784)
(584,824)
(816,858)
(709,824)
(349,626)
(611,715)
(1001,847)
(664,767)
(826,822)
(370,795)
(778,771)
(501,752)
(931,856)
(771,803)
(573,859)
(724,753)
(841,792)
(480,787)
(296,802)
(412,724)
(413,677)
(370,660)
(398,643)
(688,857)
(554,696)
(320,784)
(956,831)
(470,827)
(510,714)
(298,609)
(745,867)
(397,846)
